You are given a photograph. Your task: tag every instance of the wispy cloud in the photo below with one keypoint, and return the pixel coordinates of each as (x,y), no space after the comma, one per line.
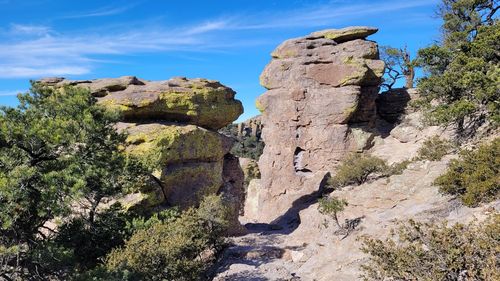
(10,93)
(324,15)
(101,12)
(48,53)
(29,29)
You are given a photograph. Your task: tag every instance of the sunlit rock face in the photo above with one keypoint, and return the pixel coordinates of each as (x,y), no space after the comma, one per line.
(320,105)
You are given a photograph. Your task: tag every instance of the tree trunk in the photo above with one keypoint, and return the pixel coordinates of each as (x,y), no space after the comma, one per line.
(410,77)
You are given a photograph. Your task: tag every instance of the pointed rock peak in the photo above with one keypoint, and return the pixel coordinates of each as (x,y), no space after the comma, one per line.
(344,34)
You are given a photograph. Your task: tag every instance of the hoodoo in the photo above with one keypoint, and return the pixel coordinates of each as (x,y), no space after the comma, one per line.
(318,108)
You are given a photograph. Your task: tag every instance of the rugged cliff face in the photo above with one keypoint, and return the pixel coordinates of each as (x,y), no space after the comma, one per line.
(172,125)
(320,105)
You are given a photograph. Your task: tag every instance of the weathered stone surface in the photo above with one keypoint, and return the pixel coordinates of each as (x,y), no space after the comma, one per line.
(312,250)
(250,169)
(233,192)
(251,127)
(344,34)
(201,102)
(320,106)
(391,105)
(189,159)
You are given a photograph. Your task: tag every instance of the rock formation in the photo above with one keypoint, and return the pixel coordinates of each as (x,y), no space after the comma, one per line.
(392,104)
(250,128)
(172,126)
(320,105)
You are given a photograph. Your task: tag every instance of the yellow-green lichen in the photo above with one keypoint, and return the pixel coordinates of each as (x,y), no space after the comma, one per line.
(259,106)
(160,144)
(279,54)
(349,111)
(207,107)
(186,185)
(359,71)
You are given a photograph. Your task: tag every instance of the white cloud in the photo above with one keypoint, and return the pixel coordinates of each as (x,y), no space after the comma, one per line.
(323,15)
(10,93)
(20,72)
(48,53)
(29,29)
(101,12)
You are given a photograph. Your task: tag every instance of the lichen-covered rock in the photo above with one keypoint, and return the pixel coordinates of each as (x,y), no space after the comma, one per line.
(171,128)
(233,192)
(320,106)
(188,158)
(167,143)
(201,102)
(344,34)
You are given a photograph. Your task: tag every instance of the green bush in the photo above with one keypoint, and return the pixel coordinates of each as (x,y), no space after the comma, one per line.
(176,249)
(474,177)
(427,252)
(331,206)
(244,146)
(398,168)
(248,147)
(355,169)
(434,149)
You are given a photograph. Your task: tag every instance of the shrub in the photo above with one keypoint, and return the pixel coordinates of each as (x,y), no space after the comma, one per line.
(355,169)
(434,149)
(474,177)
(176,249)
(428,252)
(90,243)
(248,147)
(398,168)
(331,206)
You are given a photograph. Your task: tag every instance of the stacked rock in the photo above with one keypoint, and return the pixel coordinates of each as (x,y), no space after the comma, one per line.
(173,126)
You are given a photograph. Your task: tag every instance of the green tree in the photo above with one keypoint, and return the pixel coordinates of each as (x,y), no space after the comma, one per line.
(461,87)
(398,65)
(356,169)
(332,206)
(58,148)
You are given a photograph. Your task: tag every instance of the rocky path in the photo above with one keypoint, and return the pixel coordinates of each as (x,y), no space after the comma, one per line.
(313,251)
(259,255)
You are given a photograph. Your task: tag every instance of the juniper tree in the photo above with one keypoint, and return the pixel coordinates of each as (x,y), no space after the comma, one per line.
(461,86)
(57,148)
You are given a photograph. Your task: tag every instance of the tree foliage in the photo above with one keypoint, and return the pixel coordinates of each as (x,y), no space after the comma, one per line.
(433,149)
(332,206)
(428,252)
(246,146)
(461,87)
(176,249)
(355,169)
(398,65)
(57,148)
(475,176)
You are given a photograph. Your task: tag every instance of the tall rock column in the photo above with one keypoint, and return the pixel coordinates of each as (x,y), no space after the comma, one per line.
(319,106)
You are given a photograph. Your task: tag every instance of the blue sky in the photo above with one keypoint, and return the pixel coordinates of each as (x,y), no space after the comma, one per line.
(229,41)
